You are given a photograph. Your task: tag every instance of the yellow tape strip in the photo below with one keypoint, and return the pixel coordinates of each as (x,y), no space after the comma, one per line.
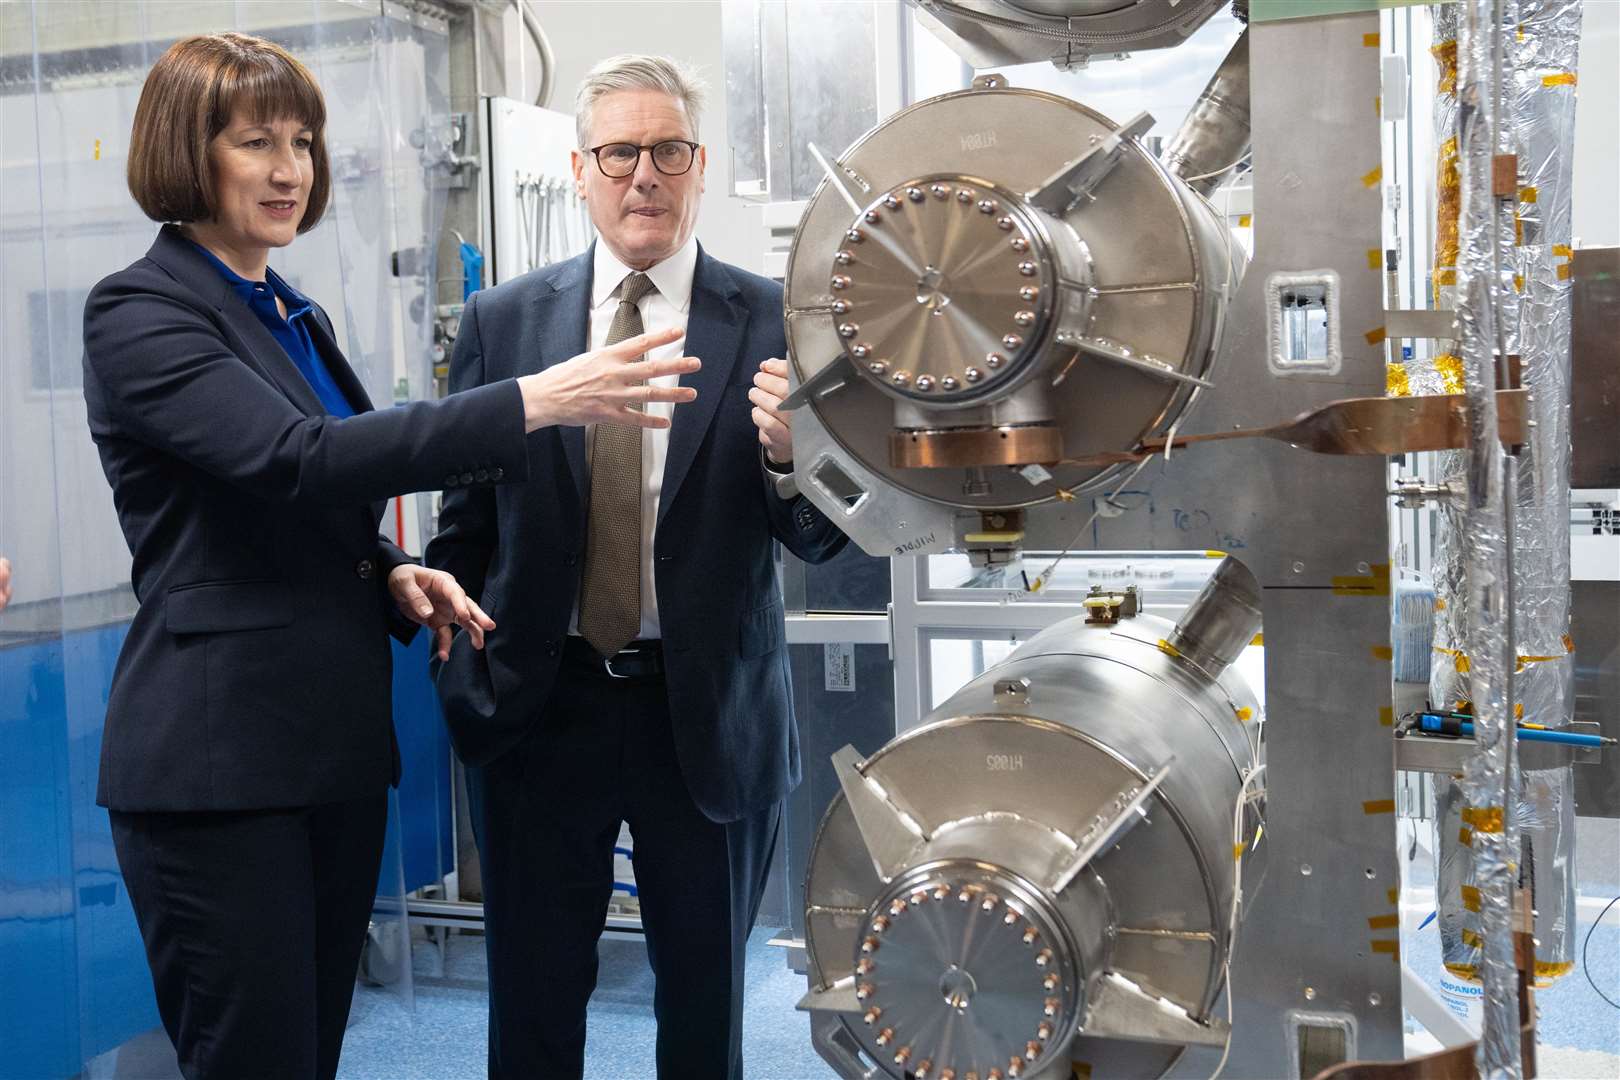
(1375,259)
(1465,837)
(1374,584)
(1439,604)
(1470,898)
(1486,819)
(1451,373)
(1245,221)
(1528,194)
(1245,714)
(1213,554)
(1375,336)
(1394,896)
(1472,940)
(1383,652)
(1378,106)
(1378,806)
(1563,271)
(1459,659)
(1566,78)
(1258,639)
(1396,381)
(1372,178)
(1168,649)
(1446,277)
(1564,249)
(1384,922)
(1386,716)
(1370,40)
(1391,946)
(1518,712)
(993,537)
(1079,1070)
(1518,283)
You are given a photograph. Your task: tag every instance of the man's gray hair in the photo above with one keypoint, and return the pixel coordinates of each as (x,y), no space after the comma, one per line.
(632,71)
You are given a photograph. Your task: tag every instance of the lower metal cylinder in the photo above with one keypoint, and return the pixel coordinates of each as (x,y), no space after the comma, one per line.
(1042,873)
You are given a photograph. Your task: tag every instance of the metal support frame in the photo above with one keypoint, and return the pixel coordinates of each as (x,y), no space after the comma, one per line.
(1313,529)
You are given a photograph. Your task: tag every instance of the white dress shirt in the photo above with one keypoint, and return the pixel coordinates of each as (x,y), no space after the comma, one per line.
(663,306)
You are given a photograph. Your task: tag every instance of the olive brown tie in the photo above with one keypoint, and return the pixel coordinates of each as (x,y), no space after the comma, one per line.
(610,591)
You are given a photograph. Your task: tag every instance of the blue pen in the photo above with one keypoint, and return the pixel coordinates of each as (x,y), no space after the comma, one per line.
(1447,725)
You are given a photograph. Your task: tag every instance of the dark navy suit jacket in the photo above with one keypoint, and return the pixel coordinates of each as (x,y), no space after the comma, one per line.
(256,673)
(520,548)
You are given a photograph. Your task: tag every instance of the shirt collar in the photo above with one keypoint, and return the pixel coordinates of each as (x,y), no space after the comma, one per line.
(297,303)
(672,277)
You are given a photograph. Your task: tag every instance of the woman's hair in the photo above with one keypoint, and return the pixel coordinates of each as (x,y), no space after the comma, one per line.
(190,96)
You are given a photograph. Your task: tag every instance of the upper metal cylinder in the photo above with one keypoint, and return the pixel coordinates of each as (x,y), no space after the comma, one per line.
(1004,300)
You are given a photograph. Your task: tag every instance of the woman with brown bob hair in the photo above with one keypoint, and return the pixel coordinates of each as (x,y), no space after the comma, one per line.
(249,740)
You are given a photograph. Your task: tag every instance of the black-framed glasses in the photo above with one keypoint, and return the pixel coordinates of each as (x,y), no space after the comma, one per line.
(672,157)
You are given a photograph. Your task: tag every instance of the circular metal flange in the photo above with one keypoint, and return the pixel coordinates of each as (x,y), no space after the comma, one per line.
(967,447)
(964,969)
(944,288)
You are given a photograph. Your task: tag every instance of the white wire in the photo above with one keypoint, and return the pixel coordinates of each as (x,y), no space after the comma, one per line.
(1237,903)
(1045,576)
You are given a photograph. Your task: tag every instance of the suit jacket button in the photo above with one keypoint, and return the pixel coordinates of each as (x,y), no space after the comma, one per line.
(364,569)
(498,474)
(450,481)
(482,476)
(466,478)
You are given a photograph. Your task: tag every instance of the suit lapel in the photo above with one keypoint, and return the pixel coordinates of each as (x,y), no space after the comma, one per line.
(714,328)
(180,258)
(563,311)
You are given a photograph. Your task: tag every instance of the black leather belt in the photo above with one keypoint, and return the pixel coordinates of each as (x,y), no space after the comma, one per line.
(637,660)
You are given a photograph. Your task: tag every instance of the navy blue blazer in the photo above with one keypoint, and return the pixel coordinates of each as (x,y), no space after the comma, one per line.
(257,671)
(519,548)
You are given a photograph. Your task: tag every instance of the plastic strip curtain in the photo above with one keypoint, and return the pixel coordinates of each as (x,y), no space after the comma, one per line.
(1542,43)
(74,985)
(385,73)
(73,976)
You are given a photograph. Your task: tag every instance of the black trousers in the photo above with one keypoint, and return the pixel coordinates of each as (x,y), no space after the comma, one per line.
(253,923)
(547,814)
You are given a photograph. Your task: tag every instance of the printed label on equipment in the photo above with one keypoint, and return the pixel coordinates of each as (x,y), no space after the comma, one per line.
(840,666)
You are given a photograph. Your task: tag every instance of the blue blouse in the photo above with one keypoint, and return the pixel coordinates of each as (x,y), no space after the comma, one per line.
(292,333)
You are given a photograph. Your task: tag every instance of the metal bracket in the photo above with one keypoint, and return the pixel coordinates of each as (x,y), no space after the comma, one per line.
(889,833)
(1080,177)
(1120,1009)
(835,376)
(1128,811)
(839,998)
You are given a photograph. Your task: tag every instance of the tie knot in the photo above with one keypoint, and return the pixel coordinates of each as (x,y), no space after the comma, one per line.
(634,287)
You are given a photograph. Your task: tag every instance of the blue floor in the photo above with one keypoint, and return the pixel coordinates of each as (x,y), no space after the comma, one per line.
(445,1038)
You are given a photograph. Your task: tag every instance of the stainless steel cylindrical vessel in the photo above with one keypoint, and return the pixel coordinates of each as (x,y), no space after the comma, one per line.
(1043,872)
(997,278)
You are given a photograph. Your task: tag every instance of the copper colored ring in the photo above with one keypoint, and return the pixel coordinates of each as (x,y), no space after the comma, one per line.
(960,448)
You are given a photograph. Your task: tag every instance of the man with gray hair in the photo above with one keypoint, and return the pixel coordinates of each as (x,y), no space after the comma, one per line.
(638,669)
